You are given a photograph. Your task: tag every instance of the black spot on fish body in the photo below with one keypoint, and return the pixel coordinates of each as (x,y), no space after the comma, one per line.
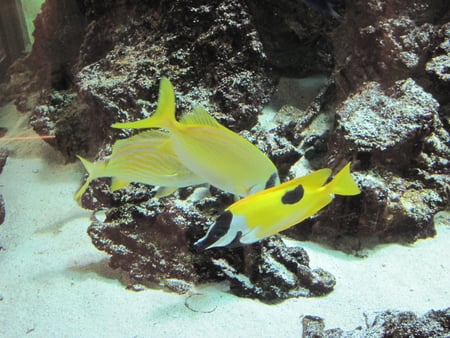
(218,230)
(272,181)
(293,196)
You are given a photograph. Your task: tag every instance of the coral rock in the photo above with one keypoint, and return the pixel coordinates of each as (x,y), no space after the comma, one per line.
(386,324)
(152,241)
(270,271)
(402,166)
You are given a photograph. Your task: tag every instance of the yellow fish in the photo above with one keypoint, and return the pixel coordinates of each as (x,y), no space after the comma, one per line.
(213,152)
(276,209)
(144,158)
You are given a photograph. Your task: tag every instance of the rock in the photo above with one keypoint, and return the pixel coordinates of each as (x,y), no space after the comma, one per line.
(2,210)
(65,116)
(276,272)
(438,65)
(3,158)
(280,150)
(58,36)
(437,68)
(386,324)
(313,326)
(296,38)
(401,162)
(386,41)
(228,75)
(111,68)
(153,241)
(148,240)
(387,123)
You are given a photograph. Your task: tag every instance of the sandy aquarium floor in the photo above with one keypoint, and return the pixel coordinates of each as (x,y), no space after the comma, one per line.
(55,283)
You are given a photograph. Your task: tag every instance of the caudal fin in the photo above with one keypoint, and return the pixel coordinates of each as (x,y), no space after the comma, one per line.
(344,184)
(91,168)
(164,116)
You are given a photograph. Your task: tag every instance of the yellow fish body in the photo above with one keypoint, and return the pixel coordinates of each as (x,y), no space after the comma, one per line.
(213,152)
(276,209)
(144,158)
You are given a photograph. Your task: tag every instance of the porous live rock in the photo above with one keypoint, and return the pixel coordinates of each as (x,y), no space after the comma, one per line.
(386,41)
(291,133)
(271,271)
(112,57)
(401,161)
(439,70)
(439,67)
(391,323)
(210,51)
(281,151)
(439,63)
(153,240)
(149,240)
(387,121)
(113,53)
(64,116)
(295,37)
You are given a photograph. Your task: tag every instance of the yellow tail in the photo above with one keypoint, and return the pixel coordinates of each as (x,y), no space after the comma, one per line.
(344,184)
(93,173)
(164,116)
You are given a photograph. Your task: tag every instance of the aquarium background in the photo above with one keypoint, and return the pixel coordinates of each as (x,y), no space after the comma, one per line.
(310,88)
(31,10)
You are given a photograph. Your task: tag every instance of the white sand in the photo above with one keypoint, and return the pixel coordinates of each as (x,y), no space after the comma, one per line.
(54,282)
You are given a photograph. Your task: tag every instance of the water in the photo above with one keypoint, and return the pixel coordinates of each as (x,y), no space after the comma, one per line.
(296,84)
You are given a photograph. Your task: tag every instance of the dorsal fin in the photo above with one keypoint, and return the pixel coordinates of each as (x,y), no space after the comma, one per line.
(316,179)
(200,116)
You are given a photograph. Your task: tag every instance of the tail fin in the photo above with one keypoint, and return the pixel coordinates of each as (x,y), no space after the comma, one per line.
(344,184)
(164,116)
(91,168)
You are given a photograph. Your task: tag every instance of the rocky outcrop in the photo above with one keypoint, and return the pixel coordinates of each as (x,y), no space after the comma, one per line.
(434,323)
(153,240)
(401,158)
(391,120)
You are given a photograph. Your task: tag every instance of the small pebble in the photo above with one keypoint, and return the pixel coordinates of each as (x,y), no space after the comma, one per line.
(136,287)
